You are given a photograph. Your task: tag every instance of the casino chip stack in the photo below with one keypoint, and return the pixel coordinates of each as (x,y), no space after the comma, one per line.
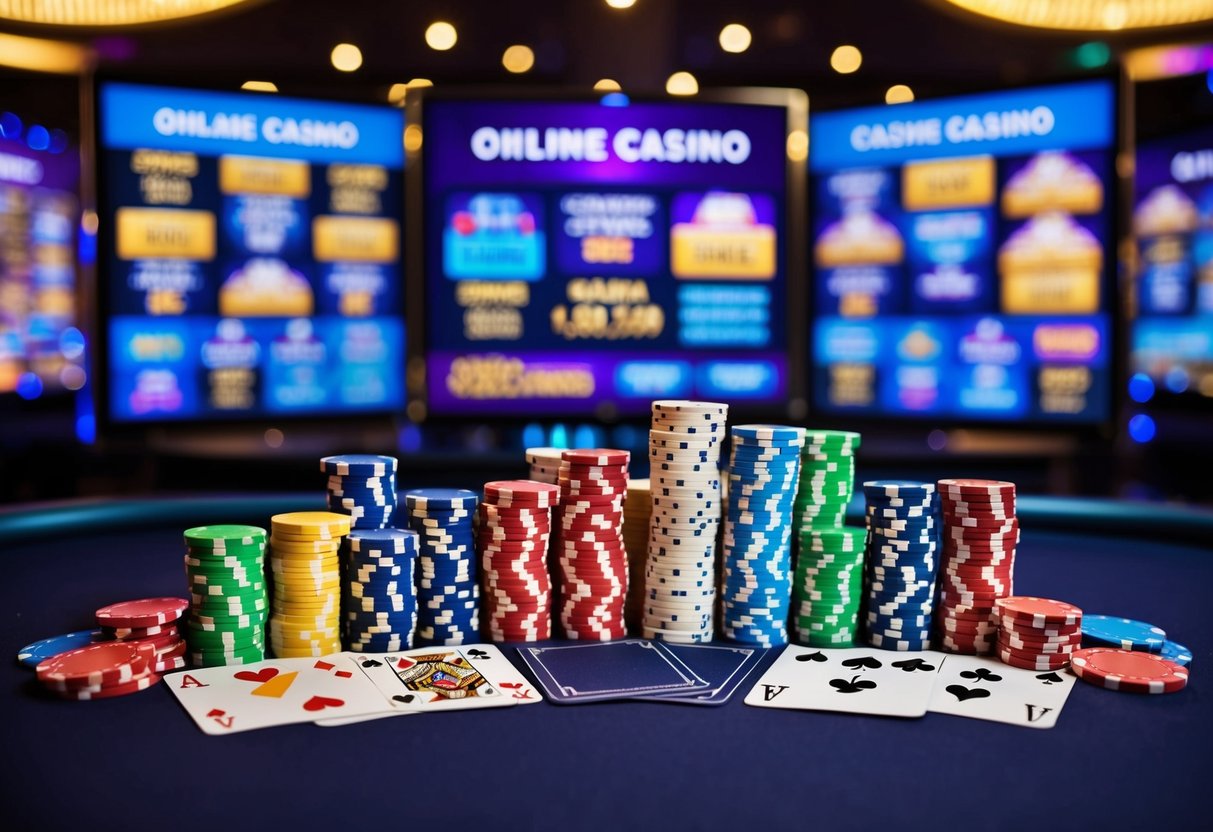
(764,466)
(1037,633)
(225,566)
(379,599)
(304,560)
(637,509)
(978,565)
(100,671)
(827,479)
(592,558)
(150,622)
(448,593)
(684,483)
(362,486)
(829,585)
(902,532)
(515,526)
(544,464)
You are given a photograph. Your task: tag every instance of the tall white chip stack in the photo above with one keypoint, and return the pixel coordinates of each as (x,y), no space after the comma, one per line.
(684,486)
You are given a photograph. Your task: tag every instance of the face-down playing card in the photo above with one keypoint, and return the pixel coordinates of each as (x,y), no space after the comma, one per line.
(599,671)
(855,680)
(723,666)
(431,679)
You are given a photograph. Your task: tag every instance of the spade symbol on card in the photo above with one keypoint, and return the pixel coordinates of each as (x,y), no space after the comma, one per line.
(812,657)
(853,685)
(1049,678)
(862,663)
(911,665)
(371,663)
(479,654)
(406,699)
(982,674)
(962,693)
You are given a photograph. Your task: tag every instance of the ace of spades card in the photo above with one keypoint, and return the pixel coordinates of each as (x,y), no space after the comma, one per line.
(430,679)
(984,688)
(859,680)
(235,698)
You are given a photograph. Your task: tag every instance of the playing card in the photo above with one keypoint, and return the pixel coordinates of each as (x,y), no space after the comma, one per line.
(723,666)
(859,680)
(428,679)
(609,670)
(234,698)
(984,688)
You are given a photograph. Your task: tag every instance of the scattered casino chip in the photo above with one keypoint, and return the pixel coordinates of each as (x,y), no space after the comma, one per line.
(1123,632)
(447,576)
(1132,671)
(1177,653)
(146,612)
(902,564)
(512,542)
(34,654)
(764,468)
(589,548)
(379,599)
(977,567)
(685,493)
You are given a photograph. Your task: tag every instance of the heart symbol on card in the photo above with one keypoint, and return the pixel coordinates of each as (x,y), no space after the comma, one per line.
(260,676)
(319,703)
(962,693)
(404,700)
(812,657)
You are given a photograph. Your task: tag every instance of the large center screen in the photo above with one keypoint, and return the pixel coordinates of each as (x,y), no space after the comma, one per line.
(251,254)
(580,255)
(1173,221)
(963,258)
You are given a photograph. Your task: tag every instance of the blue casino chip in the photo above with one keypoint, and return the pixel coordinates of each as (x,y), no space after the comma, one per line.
(1124,633)
(1174,652)
(432,499)
(378,599)
(358,465)
(34,654)
(448,593)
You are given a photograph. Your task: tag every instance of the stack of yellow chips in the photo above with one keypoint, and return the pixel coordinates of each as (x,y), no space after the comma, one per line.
(637,509)
(304,561)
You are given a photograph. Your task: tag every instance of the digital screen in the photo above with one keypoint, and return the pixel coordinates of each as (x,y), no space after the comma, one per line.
(252,245)
(962,257)
(579,255)
(1173,224)
(41,351)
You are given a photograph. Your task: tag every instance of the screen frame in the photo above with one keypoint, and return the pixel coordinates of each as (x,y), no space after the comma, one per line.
(100,312)
(795,102)
(1114,283)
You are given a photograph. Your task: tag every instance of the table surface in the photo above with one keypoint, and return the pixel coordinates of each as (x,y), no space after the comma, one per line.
(1113,760)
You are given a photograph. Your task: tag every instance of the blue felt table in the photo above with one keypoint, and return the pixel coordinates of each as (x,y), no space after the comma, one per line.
(1114,761)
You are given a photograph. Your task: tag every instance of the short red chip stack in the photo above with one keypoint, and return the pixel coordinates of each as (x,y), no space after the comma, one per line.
(980,532)
(593,560)
(1037,633)
(101,670)
(515,525)
(148,622)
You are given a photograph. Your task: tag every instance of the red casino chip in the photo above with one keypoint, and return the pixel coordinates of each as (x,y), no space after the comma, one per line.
(142,682)
(1131,671)
(103,663)
(1032,663)
(521,493)
(975,487)
(146,612)
(1043,611)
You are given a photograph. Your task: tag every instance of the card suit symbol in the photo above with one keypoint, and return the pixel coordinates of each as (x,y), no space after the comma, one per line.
(371,663)
(862,663)
(852,685)
(406,699)
(323,665)
(1049,678)
(215,712)
(319,703)
(479,654)
(812,657)
(511,685)
(405,663)
(911,665)
(981,674)
(260,676)
(962,693)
